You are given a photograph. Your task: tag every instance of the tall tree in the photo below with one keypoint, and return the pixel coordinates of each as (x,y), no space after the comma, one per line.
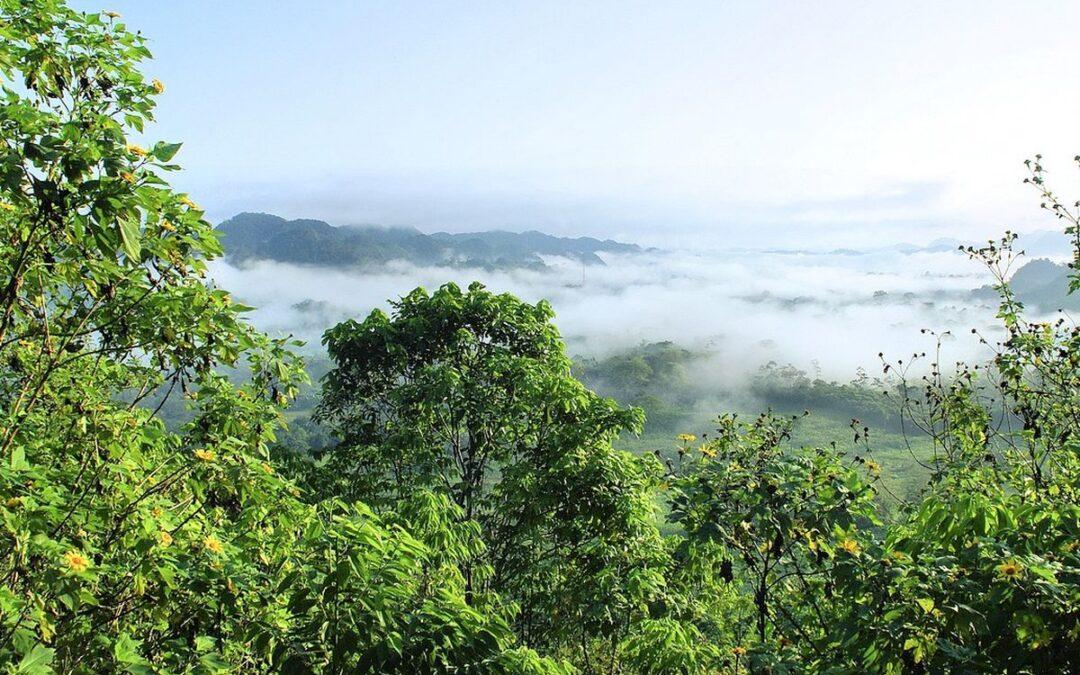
(125,546)
(470,394)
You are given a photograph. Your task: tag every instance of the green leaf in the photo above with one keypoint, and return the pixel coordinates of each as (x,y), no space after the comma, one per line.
(926,603)
(18,459)
(1044,573)
(37,660)
(163,152)
(214,663)
(129,236)
(126,650)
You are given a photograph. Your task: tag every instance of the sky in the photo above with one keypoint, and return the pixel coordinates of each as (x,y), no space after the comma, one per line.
(738,123)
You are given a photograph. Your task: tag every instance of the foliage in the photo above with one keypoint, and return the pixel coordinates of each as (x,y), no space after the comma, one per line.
(653,377)
(125,545)
(366,579)
(782,516)
(978,573)
(312,242)
(472,515)
(985,567)
(470,394)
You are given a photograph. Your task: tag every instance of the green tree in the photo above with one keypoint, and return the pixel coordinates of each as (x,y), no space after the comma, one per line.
(978,573)
(470,394)
(983,572)
(773,519)
(125,546)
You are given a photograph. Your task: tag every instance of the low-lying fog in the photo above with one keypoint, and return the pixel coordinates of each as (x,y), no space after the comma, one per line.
(834,312)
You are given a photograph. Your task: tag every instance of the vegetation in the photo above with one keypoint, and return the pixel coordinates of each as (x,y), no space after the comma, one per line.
(653,377)
(127,546)
(1040,284)
(313,242)
(469,512)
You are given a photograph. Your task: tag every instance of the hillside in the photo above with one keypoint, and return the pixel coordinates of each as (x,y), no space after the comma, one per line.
(1040,284)
(249,236)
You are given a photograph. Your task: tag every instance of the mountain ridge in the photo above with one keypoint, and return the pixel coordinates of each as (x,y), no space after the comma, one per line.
(252,236)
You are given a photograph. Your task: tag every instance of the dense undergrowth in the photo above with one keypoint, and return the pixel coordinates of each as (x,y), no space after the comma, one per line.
(472,512)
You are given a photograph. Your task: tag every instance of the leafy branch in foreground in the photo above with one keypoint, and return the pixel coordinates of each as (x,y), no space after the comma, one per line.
(125,546)
(979,573)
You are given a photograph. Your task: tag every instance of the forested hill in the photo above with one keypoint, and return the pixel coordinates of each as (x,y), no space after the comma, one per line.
(1041,284)
(250,236)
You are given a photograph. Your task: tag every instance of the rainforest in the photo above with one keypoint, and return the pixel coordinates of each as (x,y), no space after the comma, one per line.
(280,445)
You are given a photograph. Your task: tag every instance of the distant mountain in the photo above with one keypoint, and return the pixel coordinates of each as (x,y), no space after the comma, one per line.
(1040,284)
(1045,243)
(250,236)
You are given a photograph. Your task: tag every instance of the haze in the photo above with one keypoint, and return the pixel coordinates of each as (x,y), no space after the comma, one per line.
(743,123)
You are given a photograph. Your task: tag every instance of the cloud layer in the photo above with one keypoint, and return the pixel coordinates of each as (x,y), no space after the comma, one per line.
(832,311)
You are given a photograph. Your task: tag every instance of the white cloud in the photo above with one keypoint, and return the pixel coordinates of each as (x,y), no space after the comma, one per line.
(747,307)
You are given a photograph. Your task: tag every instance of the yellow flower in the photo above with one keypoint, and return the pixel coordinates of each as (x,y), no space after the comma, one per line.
(156,512)
(212,544)
(167,226)
(687,438)
(76,561)
(112,15)
(136,150)
(164,538)
(267,468)
(6,206)
(850,546)
(158,86)
(128,176)
(205,455)
(708,451)
(738,651)
(873,467)
(1010,569)
(13,503)
(188,203)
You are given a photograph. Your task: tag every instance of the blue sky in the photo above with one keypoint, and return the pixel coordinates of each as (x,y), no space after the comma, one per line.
(770,122)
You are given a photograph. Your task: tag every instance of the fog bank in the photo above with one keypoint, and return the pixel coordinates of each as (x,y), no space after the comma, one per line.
(832,312)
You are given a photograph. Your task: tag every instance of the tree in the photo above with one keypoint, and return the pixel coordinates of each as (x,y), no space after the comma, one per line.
(470,394)
(773,519)
(982,572)
(978,573)
(125,546)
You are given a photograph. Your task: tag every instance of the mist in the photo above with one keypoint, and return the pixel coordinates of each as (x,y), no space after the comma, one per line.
(828,313)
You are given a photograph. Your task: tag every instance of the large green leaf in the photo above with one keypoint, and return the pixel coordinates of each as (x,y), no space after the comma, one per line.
(130,237)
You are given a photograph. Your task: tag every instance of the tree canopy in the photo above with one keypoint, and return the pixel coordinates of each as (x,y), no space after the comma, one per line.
(127,546)
(469,394)
(473,512)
